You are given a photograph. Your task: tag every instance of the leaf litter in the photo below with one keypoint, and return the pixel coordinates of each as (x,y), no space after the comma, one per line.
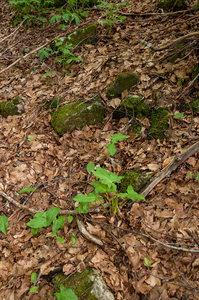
(164,229)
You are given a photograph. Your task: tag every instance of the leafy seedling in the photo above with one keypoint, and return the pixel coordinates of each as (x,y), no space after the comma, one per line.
(178,115)
(33,279)
(114,139)
(147,262)
(4,224)
(44,219)
(65,294)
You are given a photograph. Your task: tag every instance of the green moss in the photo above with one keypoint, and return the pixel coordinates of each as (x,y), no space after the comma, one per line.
(176,5)
(80,283)
(10,108)
(159,123)
(136,129)
(82,36)
(194,105)
(195,72)
(53,104)
(123,81)
(134,105)
(77,114)
(178,55)
(134,178)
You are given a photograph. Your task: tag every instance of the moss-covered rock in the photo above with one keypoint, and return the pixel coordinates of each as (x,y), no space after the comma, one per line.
(88,285)
(83,36)
(134,105)
(12,108)
(53,103)
(123,81)
(159,123)
(194,105)
(135,179)
(77,114)
(176,5)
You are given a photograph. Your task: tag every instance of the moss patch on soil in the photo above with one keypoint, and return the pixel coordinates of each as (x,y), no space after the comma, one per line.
(159,123)
(194,105)
(10,108)
(135,179)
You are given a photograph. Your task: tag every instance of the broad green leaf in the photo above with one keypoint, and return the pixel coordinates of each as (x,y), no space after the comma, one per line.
(48,74)
(103,188)
(92,197)
(30,139)
(197,177)
(133,195)
(51,214)
(111,148)
(28,189)
(147,262)
(58,224)
(37,223)
(4,224)
(35,230)
(118,137)
(106,177)
(65,294)
(73,238)
(70,219)
(59,239)
(33,277)
(123,195)
(33,289)
(83,208)
(178,115)
(90,167)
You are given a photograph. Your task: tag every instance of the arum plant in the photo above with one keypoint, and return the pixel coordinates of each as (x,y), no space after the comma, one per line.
(106,185)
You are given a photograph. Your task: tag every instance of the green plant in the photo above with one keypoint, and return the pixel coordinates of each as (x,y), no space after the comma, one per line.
(65,294)
(33,279)
(4,224)
(67,55)
(25,6)
(106,185)
(114,139)
(147,262)
(180,80)
(197,4)
(44,53)
(44,219)
(197,177)
(178,115)
(112,12)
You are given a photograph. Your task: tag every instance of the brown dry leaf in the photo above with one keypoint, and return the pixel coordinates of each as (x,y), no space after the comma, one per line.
(191,161)
(115,102)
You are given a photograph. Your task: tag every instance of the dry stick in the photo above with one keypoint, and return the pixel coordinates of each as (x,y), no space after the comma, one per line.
(13,31)
(177,40)
(176,161)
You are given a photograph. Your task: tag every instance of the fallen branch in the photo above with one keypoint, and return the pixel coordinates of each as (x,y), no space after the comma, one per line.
(176,40)
(176,162)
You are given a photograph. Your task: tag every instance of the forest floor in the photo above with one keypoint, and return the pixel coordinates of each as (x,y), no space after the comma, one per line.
(164,228)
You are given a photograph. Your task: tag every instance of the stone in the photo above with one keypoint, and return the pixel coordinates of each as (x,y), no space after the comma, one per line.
(12,108)
(123,81)
(176,5)
(88,285)
(77,115)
